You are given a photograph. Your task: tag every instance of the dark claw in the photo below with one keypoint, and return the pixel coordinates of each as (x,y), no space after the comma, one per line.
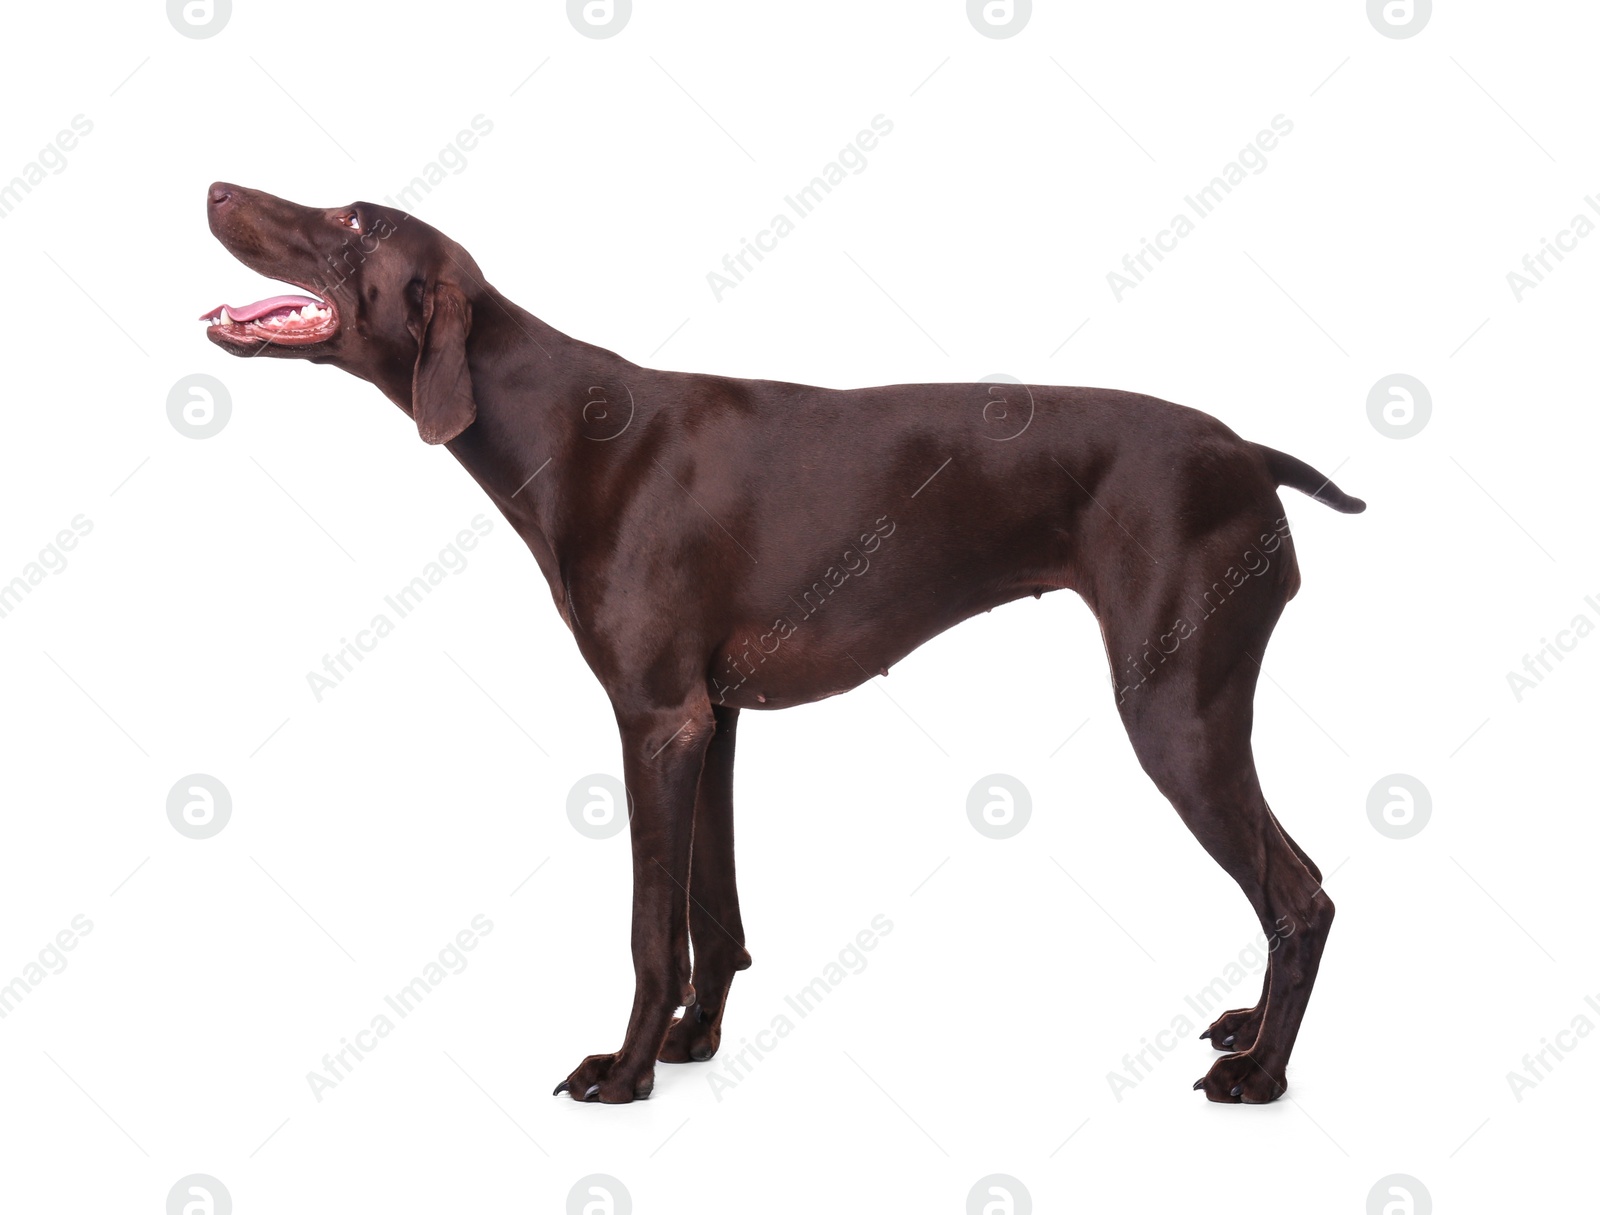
(1228,1041)
(1206,1034)
(592,1092)
(1199,1084)
(1237,1089)
(700,1053)
(561,1088)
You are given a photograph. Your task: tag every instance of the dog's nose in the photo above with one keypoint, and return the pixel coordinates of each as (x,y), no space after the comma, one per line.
(221,192)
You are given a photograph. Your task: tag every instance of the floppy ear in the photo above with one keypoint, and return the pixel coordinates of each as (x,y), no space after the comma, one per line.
(441,386)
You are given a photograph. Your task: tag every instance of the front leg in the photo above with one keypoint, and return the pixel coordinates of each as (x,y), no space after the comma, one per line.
(715,928)
(663,750)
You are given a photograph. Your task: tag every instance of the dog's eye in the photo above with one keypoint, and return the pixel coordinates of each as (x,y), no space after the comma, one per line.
(350,219)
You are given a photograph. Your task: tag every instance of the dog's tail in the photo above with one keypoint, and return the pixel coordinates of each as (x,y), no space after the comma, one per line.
(1297,474)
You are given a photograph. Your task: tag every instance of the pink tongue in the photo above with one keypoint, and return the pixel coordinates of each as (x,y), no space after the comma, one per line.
(260,308)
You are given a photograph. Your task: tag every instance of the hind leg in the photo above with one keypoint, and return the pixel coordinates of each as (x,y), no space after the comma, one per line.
(1237,1028)
(715,929)
(1190,721)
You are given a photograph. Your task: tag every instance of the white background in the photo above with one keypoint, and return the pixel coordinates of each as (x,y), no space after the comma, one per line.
(369,828)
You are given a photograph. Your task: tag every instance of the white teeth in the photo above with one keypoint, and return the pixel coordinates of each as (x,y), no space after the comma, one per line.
(306,314)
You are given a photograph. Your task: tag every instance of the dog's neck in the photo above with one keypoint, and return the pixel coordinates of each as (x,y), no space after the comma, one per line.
(547,404)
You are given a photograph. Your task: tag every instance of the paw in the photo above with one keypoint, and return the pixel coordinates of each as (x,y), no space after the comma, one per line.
(693,1037)
(1235,1030)
(1242,1079)
(603,1078)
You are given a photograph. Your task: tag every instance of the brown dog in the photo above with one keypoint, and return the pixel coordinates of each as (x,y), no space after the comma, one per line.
(691,529)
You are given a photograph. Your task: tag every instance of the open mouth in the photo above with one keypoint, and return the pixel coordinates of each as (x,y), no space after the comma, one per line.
(282,320)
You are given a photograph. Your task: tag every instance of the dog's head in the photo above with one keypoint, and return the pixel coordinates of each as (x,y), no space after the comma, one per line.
(393,298)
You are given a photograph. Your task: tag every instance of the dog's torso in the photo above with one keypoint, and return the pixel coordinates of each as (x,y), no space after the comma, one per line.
(794,541)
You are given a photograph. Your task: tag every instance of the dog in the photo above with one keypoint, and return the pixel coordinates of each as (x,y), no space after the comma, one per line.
(703,538)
